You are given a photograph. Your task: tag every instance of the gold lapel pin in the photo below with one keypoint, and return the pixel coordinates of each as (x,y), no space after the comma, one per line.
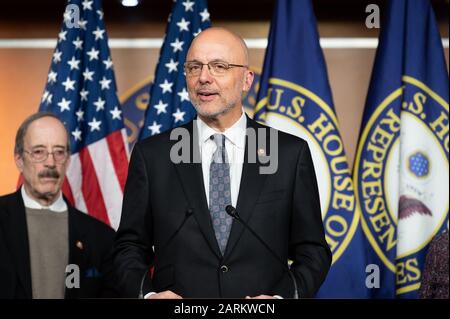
(79,244)
(261,152)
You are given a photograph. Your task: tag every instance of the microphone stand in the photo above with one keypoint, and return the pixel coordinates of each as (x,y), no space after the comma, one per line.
(233,213)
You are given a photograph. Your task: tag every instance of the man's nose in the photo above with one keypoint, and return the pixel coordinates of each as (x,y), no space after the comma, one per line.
(50,161)
(205,75)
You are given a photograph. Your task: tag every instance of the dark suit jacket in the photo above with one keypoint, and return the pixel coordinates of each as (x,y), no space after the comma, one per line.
(94,259)
(165,206)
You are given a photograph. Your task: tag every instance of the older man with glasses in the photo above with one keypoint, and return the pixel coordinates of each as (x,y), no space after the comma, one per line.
(49,249)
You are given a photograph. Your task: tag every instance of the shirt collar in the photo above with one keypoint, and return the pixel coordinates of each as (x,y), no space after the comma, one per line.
(58,206)
(235,134)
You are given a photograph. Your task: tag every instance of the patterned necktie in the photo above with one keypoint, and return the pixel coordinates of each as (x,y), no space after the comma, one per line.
(219,192)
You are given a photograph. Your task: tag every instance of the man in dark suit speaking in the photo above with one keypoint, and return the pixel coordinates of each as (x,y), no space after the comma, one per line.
(174,213)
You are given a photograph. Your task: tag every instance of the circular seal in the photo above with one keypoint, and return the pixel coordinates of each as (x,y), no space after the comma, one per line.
(402,172)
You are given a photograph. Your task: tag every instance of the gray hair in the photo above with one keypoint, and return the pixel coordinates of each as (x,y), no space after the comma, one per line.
(22,131)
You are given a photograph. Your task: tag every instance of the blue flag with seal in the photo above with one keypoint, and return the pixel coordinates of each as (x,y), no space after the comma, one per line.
(401,168)
(169,104)
(295,97)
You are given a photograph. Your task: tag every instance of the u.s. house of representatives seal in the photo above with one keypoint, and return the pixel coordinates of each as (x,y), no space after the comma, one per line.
(402,170)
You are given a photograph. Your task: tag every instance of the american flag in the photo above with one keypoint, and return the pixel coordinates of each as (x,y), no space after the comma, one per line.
(169,104)
(81,90)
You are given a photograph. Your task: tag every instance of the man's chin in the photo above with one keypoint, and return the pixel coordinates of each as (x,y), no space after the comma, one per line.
(210,112)
(48,195)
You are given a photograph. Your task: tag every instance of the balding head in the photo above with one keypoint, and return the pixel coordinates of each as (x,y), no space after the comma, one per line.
(235,45)
(22,131)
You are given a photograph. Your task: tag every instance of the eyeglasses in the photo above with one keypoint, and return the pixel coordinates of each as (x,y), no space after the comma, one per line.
(41,154)
(194,68)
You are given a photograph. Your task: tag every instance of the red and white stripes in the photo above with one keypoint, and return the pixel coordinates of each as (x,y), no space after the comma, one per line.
(96,178)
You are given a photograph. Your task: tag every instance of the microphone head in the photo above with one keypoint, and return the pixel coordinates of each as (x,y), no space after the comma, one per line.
(231,211)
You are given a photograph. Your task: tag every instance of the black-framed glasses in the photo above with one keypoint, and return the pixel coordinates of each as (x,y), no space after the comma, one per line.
(194,68)
(38,155)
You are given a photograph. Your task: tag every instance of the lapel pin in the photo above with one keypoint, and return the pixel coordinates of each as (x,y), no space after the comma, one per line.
(261,152)
(79,244)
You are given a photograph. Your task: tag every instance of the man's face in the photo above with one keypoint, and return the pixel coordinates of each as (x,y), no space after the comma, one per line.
(43,179)
(214,95)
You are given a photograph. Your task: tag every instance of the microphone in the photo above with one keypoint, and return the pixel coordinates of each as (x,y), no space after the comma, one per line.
(233,213)
(188,214)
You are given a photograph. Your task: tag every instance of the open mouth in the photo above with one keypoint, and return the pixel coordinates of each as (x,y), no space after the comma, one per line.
(206,96)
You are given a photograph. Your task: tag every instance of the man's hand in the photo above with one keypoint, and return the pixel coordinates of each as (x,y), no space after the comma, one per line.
(260,297)
(165,295)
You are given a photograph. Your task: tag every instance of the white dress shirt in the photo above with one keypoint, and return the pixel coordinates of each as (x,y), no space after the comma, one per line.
(235,146)
(58,206)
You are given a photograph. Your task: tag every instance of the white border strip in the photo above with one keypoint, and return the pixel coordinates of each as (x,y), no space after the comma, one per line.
(156,43)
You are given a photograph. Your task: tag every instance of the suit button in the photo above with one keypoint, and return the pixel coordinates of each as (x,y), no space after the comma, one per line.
(224,268)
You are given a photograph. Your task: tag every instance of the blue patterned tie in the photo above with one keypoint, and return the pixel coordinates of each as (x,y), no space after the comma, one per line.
(219,192)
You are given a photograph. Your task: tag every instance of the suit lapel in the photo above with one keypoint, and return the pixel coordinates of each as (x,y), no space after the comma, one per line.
(191,178)
(77,247)
(250,187)
(17,240)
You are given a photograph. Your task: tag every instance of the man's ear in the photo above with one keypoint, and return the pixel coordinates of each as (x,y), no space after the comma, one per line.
(19,162)
(249,76)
